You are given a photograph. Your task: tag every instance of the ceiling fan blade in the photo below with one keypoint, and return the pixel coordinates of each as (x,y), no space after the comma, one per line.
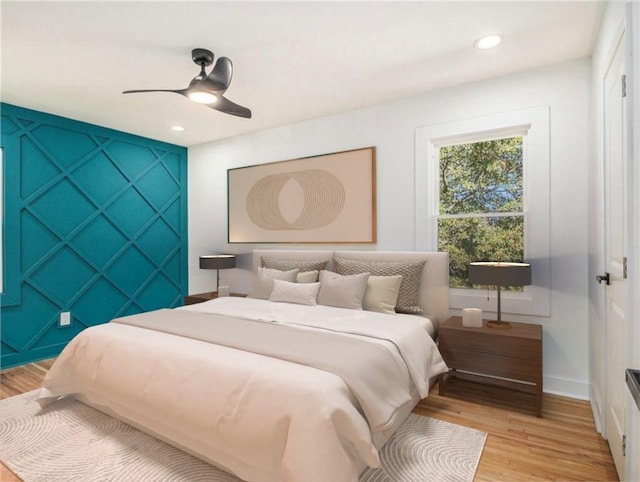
(219,78)
(225,105)
(179,91)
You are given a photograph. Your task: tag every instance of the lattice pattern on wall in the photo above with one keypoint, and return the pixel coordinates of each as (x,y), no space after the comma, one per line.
(102,228)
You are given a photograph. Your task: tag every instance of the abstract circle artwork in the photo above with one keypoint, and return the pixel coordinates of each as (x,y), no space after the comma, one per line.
(323,200)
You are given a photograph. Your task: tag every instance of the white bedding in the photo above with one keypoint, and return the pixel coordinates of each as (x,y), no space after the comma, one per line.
(257,309)
(262,418)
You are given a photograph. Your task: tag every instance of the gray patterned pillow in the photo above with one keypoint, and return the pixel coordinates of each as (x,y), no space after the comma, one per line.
(411,271)
(284,264)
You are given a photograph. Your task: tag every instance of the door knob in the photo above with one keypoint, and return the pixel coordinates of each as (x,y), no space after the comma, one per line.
(606,278)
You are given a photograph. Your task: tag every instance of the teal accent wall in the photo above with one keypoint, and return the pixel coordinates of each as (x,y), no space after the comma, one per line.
(95,223)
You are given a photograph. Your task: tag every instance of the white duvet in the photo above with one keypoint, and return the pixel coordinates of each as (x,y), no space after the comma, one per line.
(263,418)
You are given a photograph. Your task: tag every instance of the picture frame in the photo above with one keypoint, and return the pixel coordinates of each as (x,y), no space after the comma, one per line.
(328,198)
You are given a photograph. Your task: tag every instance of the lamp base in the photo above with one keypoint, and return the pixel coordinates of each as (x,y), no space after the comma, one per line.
(498,325)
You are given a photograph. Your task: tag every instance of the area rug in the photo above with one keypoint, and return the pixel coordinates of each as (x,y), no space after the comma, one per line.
(70,441)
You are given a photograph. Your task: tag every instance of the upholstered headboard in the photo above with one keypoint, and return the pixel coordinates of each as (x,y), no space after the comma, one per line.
(434,285)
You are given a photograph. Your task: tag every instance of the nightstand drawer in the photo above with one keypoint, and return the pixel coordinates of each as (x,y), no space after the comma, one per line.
(490,364)
(492,343)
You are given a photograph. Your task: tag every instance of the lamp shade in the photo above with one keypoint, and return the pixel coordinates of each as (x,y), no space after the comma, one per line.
(218,261)
(499,274)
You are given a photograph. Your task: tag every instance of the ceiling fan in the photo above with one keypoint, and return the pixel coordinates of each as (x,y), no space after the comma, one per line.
(209,88)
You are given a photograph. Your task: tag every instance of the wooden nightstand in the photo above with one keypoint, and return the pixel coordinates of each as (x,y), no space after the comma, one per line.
(200,297)
(511,358)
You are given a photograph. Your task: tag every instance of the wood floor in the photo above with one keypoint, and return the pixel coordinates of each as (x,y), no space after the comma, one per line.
(562,445)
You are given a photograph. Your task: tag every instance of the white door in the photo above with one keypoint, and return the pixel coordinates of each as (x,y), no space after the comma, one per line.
(615,159)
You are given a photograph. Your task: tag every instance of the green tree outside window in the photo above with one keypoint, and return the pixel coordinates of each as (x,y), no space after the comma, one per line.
(481,204)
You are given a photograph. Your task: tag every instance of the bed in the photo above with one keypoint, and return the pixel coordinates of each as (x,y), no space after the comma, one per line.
(274,387)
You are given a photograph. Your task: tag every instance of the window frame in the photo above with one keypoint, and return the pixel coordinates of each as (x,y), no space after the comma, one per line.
(534,123)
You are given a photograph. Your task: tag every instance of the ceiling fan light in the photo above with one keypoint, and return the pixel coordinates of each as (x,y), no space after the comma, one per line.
(202,97)
(488,42)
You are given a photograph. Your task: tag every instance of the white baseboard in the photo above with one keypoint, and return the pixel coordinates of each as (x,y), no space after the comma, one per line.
(566,387)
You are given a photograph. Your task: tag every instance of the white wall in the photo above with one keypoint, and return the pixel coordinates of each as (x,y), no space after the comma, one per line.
(390,127)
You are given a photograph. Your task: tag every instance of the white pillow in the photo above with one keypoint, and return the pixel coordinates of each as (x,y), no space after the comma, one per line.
(307,276)
(300,293)
(342,291)
(382,293)
(263,281)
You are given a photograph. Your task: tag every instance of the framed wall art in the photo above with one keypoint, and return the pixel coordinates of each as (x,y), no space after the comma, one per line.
(329,198)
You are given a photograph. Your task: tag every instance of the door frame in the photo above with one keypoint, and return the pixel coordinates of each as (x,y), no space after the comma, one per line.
(632,200)
(632,31)
(617,104)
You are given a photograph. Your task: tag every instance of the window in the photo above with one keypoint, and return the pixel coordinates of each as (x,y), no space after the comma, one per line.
(481,211)
(482,194)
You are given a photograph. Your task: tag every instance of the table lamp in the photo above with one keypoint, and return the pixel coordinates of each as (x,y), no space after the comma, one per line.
(218,262)
(498,274)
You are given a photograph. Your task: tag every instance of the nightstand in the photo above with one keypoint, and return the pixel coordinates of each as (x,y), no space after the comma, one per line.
(200,297)
(509,358)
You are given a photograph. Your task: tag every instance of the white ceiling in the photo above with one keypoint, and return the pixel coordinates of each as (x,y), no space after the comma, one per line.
(292,61)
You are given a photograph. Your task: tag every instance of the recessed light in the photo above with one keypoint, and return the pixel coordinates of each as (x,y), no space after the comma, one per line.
(177,128)
(488,42)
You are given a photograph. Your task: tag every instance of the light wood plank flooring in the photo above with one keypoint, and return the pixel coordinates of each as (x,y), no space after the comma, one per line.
(562,445)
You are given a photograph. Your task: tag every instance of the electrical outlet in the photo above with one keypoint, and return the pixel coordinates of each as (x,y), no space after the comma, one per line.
(65,318)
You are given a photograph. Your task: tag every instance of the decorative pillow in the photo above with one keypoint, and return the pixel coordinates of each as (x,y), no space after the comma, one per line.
(288,264)
(263,281)
(300,293)
(342,291)
(411,272)
(382,294)
(307,277)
